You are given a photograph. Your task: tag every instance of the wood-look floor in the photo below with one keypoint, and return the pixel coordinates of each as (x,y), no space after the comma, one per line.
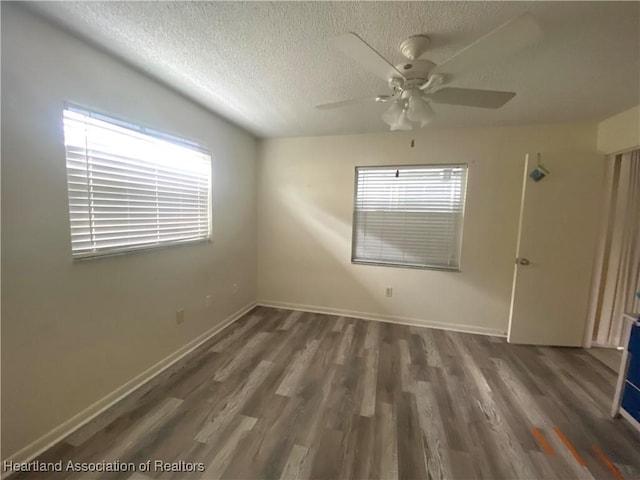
(611,357)
(284,394)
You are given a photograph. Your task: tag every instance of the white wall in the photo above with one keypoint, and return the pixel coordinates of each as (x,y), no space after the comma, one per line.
(305,199)
(620,132)
(74,332)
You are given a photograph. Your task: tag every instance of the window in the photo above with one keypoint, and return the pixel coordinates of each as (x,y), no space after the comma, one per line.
(132,188)
(409,216)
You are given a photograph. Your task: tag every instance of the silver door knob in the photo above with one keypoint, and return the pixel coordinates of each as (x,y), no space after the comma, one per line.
(522,261)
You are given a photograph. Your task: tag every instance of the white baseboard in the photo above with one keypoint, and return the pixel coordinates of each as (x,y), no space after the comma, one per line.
(414,322)
(62,431)
(627,416)
(600,345)
(45,442)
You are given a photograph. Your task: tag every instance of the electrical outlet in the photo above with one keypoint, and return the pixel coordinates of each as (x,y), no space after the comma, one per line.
(207,301)
(179,317)
(389,292)
(234,289)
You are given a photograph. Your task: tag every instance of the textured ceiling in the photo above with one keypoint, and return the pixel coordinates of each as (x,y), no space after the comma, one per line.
(265,65)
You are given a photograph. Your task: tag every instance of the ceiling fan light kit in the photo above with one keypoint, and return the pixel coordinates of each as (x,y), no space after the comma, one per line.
(418,82)
(419,110)
(392,114)
(411,107)
(402,123)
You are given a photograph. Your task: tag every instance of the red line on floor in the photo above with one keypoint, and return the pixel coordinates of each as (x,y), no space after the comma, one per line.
(543,443)
(607,462)
(567,444)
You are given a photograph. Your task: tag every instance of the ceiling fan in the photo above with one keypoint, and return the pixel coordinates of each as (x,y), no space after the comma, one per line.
(417,83)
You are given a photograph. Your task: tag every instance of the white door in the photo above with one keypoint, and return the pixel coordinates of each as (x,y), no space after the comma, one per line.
(559,221)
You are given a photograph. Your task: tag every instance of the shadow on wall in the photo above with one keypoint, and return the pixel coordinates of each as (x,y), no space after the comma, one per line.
(331,235)
(328,233)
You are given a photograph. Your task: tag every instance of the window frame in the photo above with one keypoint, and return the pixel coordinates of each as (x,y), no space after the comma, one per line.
(151,132)
(356,261)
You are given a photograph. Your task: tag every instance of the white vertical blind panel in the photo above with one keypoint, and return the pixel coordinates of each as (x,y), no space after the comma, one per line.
(129,190)
(409,216)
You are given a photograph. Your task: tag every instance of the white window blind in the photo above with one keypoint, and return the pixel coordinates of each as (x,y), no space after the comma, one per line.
(409,216)
(132,188)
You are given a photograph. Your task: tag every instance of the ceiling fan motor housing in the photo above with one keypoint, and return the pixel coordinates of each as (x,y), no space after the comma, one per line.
(416,72)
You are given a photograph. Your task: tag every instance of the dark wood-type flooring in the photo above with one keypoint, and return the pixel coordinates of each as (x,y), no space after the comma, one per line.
(286,394)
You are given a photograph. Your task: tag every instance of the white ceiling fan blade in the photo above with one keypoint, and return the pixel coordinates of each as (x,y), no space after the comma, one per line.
(471,97)
(353,101)
(508,38)
(353,46)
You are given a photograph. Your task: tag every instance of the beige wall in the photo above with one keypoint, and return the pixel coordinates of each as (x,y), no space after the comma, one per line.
(305,198)
(620,132)
(74,332)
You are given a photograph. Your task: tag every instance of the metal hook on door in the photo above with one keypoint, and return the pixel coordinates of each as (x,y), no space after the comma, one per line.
(539,172)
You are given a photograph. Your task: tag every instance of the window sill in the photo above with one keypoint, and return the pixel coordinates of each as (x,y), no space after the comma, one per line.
(128,251)
(415,267)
